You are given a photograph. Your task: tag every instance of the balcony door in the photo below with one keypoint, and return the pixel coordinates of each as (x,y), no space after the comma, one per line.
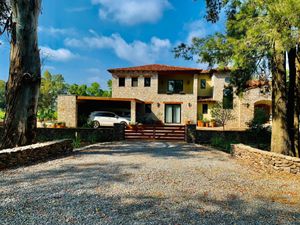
(173,114)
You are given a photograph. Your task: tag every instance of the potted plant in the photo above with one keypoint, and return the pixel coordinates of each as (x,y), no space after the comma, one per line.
(212,123)
(200,121)
(206,122)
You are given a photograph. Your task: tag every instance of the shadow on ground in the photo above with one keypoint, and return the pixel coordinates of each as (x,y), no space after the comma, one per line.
(106,193)
(153,149)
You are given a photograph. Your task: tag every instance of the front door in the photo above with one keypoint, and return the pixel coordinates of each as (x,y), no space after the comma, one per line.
(173,114)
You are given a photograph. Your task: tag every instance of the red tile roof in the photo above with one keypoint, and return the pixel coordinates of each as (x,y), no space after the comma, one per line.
(257,83)
(156,68)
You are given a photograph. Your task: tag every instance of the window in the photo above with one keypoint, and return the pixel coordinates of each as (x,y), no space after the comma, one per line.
(228,98)
(134,82)
(148,108)
(204,109)
(147,81)
(108,114)
(173,114)
(121,81)
(203,84)
(175,86)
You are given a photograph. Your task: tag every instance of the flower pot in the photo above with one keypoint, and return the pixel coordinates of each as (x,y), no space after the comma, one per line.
(207,124)
(200,123)
(212,124)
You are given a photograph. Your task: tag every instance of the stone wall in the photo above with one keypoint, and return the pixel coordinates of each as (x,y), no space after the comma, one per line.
(67,110)
(267,160)
(103,134)
(31,154)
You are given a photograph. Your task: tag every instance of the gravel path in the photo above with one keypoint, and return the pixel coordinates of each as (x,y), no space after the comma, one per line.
(147,183)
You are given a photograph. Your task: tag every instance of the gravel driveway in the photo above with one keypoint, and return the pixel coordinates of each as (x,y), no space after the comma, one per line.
(147,183)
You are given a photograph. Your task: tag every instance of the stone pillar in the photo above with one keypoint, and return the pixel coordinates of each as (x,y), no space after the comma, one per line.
(67,110)
(119,132)
(190,133)
(133,112)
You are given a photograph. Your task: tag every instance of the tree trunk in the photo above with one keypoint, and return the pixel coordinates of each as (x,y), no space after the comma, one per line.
(291,99)
(24,75)
(297,108)
(280,139)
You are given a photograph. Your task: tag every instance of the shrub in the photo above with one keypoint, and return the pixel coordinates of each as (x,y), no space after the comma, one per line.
(220,142)
(2,115)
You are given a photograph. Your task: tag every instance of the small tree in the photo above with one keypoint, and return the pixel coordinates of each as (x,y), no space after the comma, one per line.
(222,114)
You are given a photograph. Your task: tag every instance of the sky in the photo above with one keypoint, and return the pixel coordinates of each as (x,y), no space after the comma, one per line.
(81,39)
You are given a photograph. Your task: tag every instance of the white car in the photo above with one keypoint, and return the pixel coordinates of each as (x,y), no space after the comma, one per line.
(103,118)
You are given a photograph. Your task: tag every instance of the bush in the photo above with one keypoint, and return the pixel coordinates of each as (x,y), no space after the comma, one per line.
(220,142)
(2,115)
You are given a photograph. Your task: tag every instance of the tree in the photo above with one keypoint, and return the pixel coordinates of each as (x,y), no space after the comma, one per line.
(222,114)
(94,90)
(24,74)
(51,87)
(258,35)
(79,90)
(2,94)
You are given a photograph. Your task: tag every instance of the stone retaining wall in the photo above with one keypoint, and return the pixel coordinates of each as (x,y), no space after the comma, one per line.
(31,154)
(103,134)
(266,159)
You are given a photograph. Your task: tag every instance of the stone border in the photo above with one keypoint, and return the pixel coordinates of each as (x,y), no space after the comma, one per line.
(31,154)
(264,159)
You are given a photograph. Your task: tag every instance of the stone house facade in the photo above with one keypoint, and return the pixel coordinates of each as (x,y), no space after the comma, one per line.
(172,95)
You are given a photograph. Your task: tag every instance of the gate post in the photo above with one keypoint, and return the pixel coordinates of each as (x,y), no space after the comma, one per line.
(119,132)
(190,133)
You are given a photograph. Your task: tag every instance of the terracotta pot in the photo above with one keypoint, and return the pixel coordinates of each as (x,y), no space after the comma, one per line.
(207,124)
(212,124)
(200,123)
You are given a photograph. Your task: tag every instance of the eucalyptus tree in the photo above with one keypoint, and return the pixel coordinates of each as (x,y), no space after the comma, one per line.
(20,19)
(258,35)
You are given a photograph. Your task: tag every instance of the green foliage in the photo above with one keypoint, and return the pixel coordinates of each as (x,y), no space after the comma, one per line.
(54,85)
(259,119)
(256,30)
(51,87)
(77,142)
(2,115)
(2,94)
(258,128)
(222,143)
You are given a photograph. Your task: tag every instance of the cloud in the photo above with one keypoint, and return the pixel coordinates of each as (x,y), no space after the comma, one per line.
(56,31)
(132,12)
(136,52)
(60,55)
(202,28)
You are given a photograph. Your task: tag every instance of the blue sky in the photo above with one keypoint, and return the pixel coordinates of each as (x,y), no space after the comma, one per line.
(81,39)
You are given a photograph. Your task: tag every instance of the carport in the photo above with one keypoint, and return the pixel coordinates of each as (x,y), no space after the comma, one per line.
(75,110)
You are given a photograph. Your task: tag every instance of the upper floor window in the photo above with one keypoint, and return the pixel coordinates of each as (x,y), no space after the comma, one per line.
(204,109)
(121,81)
(228,98)
(134,82)
(175,86)
(147,81)
(203,83)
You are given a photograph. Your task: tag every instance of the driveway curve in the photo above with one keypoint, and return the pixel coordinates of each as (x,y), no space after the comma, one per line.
(147,183)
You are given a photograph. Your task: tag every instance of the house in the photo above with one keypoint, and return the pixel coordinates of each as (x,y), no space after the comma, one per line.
(170,94)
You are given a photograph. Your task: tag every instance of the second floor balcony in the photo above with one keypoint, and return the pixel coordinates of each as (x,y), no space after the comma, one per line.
(175,85)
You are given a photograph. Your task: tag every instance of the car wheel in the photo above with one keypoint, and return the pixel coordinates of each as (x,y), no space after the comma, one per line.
(124,123)
(96,124)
